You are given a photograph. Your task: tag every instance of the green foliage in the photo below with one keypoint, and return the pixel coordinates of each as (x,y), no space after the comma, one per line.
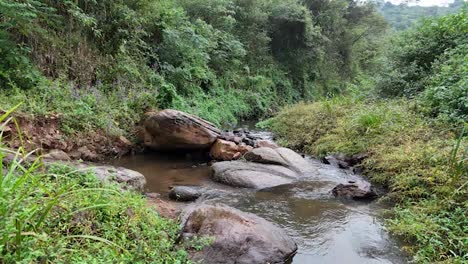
(257,54)
(447,91)
(115,112)
(429,62)
(62,215)
(403,16)
(421,161)
(415,51)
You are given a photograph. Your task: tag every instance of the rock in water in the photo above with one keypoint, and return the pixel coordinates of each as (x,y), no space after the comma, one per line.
(265,143)
(227,150)
(238,237)
(355,191)
(185,193)
(171,130)
(251,175)
(280,156)
(263,168)
(265,155)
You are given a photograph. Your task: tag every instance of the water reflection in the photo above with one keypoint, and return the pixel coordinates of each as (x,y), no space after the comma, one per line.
(326,230)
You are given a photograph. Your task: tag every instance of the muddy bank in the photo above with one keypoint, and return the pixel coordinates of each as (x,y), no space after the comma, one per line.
(45,134)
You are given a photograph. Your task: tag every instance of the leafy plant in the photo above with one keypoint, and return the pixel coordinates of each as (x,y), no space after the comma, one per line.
(57,214)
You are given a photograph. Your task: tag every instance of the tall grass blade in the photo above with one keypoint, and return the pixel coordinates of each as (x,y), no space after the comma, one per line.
(100,239)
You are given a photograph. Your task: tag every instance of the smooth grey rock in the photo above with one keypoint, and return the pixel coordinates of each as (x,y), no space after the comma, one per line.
(265,155)
(264,167)
(239,237)
(185,193)
(251,175)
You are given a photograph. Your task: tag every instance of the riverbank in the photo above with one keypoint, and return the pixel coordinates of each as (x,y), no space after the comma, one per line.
(421,161)
(60,214)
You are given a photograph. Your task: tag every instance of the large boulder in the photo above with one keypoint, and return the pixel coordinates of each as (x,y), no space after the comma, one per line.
(263,168)
(170,130)
(238,237)
(228,150)
(251,175)
(281,156)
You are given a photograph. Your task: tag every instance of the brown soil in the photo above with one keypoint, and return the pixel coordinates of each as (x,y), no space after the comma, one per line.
(165,208)
(43,133)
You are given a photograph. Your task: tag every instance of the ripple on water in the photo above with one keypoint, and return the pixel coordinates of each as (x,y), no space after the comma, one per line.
(326,230)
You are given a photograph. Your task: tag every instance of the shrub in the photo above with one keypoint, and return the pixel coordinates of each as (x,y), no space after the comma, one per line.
(447,92)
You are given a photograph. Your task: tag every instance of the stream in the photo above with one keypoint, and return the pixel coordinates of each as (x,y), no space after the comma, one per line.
(325,229)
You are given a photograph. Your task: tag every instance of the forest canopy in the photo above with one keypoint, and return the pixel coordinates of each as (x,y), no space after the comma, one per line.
(185,54)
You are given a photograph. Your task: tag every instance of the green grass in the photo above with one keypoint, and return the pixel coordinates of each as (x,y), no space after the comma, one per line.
(421,161)
(62,215)
(66,216)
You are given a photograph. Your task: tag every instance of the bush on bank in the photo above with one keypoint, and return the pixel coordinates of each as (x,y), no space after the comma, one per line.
(63,215)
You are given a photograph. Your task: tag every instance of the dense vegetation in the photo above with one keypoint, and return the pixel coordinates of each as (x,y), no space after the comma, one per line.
(64,215)
(411,121)
(104,62)
(401,99)
(403,16)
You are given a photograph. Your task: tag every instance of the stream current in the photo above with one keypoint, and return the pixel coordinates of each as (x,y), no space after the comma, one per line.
(325,229)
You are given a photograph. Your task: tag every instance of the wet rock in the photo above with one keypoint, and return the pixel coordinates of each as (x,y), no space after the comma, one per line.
(263,168)
(56,154)
(171,130)
(251,175)
(238,237)
(344,161)
(128,179)
(332,160)
(185,193)
(264,155)
(248,141)
(263,143)
(355,191)
(227,135)
(226,150)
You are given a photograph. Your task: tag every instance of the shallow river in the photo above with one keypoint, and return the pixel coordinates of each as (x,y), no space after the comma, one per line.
(325,229)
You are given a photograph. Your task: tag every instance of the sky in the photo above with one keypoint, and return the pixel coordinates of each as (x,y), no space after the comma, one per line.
(423,2)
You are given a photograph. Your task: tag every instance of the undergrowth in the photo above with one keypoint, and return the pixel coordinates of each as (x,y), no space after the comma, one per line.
(423,162)
(118,111)
(63,215)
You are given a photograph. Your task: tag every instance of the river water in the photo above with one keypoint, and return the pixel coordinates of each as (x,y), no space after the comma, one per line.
(326,230)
